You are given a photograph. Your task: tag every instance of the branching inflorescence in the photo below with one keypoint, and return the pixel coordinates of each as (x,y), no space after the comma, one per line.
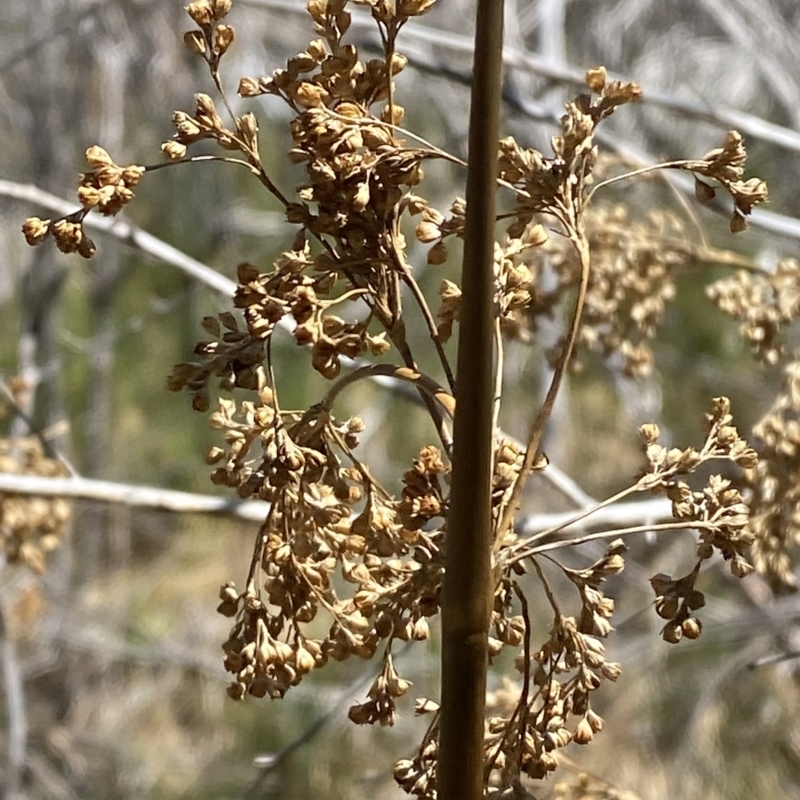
(344,565)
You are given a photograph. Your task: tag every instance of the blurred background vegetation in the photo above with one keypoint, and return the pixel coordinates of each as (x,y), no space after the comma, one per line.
(116,646)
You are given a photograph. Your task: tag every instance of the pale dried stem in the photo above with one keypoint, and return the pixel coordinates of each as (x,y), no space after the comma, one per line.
(511,553)
(424,308)
(577,236)
(498,381)
(551,598)
(688,165)
(425,384)
(618,532)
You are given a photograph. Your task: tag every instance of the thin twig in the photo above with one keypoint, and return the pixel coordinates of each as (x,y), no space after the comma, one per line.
(613,534)
(47,445)
(16,715)
(578,239)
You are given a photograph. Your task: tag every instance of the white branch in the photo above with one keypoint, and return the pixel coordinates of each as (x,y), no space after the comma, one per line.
(130,495)
(623,514)
(15,704)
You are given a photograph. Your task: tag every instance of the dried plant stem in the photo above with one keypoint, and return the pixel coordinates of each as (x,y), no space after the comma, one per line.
(468,586)
(511,553)
(258,551)
(426,385)
(685,164)
(424,308)
(578,238)
(498,379)
(218,83)
(252,164)
(551,598)
(616,533)
(14,690)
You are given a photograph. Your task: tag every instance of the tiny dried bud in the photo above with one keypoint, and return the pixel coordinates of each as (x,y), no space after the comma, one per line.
(317,49)
(583,733)
(195,42)
(596,79)
(672,633)
(248,127)
(221,8)
(96,157)
(309,95)
(200,11)
(649,433)
(174,151)
(86,247)
(691,628)
(428,232)
(88,196)
(205,106)
(667,608)
(738,223)
(304,661)
(228,592)
(225,36)
(131,175)
(703,192)
(248,87)
(227,609)
(35,230)
(437,254)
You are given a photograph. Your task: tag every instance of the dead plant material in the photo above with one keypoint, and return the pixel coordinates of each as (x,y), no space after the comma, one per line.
(30,527)
(344,566)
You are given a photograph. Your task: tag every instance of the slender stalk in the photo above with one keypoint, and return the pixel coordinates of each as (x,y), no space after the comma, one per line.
(578,239)
(468,589)
(17,724)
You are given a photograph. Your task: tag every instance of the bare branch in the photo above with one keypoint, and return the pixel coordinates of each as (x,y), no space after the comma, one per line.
(130,495)
(624,514)
(15,709)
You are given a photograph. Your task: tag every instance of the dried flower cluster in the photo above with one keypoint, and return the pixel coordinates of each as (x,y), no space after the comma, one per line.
(718,512)
(345,566)
(635,262)
(213,38)
(765,303)
(557,185)
(551,708)
(775,486)
(586,787)
(107,188)
(30,527)
(726,166)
